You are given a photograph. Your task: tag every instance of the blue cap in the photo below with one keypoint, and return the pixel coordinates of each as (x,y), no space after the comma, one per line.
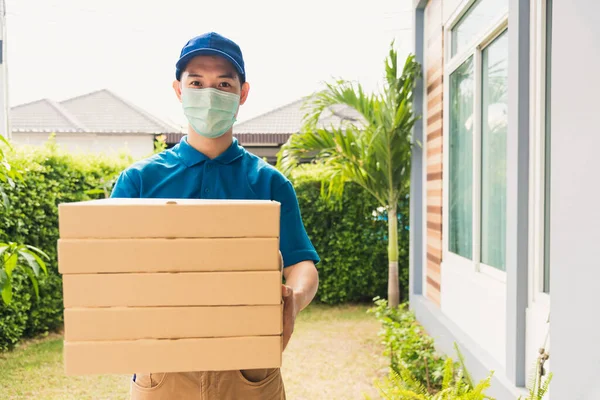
(211,44)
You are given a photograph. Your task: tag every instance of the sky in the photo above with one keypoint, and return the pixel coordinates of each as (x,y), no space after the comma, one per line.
(59,49)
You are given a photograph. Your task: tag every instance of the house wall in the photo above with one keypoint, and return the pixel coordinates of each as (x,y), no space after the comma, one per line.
(469,306)
(434,76)
(574,218)
(138,146)
(449,7)
(575,215)
(270,152)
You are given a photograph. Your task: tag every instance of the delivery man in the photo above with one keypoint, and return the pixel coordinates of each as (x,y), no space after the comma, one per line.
(209,163)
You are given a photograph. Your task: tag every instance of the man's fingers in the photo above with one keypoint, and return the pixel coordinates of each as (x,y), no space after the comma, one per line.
(288,314)
(286,291)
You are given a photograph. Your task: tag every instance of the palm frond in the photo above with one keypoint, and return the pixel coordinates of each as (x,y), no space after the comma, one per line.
(448,373)
(408,380)
(465,371)
(545,386)
(373,152)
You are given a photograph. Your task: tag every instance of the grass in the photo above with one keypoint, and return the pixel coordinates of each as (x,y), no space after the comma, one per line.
(334,354)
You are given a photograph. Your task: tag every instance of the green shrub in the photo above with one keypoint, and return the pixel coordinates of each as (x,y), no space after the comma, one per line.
(51,177)
(456,384)
(408,345)
(350,239)
(13,317)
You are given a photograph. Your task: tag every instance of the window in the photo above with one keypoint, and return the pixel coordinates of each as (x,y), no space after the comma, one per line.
(478,17)
(477,128)
(494,117)
(461,160)
(540,144)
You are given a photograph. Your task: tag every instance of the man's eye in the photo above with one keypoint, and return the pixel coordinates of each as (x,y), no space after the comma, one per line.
(224,84)
(195,83)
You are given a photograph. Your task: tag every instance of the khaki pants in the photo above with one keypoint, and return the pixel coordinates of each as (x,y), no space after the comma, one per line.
(223,385)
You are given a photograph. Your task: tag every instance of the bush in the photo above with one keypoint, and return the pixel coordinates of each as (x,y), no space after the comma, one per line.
(408,345)
(351,239)
(13,318)
(51,177)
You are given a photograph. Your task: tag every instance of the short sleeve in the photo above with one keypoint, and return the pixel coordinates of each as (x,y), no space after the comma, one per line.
(125,187)
(294,243)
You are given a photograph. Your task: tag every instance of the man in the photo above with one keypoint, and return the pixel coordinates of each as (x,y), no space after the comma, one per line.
(210,164)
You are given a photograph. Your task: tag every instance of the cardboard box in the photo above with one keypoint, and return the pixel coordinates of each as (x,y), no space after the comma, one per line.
(172,289)
(165,218)
(130,323)
(76,256)
(159,285)
(146,356)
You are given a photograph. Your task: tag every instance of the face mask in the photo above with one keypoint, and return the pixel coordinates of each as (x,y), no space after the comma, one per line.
(211,112)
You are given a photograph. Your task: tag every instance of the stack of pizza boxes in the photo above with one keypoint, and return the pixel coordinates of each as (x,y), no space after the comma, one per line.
(157,285)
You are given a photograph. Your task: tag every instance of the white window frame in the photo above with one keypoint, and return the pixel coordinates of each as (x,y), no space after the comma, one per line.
(474,49)
(537,170)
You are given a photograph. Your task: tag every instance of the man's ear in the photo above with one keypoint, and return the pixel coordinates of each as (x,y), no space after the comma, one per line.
(177,89)
(244,93)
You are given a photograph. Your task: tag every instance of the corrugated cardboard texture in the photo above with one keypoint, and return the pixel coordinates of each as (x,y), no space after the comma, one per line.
(214,354)
(121,323)
(164,218)
(172,289)
(77,256)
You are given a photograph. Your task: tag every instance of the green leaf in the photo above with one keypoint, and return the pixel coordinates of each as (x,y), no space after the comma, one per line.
(3,278)
(28,257)
(7,291)
(3,140)
(34,282)
(94,191)
(40,252)
(10,263)
(3,248)
(5,200)
(40,262)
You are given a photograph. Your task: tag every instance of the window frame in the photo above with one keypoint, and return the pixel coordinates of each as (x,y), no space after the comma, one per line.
(475,48)
(537,157)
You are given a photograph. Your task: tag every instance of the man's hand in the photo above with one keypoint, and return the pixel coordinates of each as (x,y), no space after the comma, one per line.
(302,281)
(289,313)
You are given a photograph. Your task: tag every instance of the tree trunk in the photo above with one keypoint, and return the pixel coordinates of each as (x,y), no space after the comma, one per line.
(393,283)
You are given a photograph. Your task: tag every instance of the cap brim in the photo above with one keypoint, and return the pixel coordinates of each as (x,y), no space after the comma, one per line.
(182,62)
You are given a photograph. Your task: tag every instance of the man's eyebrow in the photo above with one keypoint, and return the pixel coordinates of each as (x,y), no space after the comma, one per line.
(228,75)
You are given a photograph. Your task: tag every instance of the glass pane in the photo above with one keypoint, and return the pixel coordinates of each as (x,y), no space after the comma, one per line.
(460,190)
(494,120)
(546,286)
(479,17)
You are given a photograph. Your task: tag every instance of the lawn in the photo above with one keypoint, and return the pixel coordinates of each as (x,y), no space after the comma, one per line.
(334,354)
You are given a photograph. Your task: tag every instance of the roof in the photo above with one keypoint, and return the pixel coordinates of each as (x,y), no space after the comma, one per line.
(98,112)
(276,126)
(43,116)
(289,118)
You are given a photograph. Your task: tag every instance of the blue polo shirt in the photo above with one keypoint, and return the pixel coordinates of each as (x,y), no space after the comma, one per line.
(185,173)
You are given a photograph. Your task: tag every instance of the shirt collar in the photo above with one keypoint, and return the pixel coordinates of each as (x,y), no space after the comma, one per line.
(190,156)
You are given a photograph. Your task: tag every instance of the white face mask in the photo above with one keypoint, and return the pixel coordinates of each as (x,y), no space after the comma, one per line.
(211,112)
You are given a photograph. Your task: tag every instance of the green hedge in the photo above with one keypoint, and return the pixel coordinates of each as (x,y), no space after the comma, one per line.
(50,177)
(350,240)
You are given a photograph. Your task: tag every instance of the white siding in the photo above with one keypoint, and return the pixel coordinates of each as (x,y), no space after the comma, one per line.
(575,194)
(477,304)
(138,146)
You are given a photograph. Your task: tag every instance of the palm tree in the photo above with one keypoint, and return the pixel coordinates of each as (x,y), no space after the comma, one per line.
(373,151)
